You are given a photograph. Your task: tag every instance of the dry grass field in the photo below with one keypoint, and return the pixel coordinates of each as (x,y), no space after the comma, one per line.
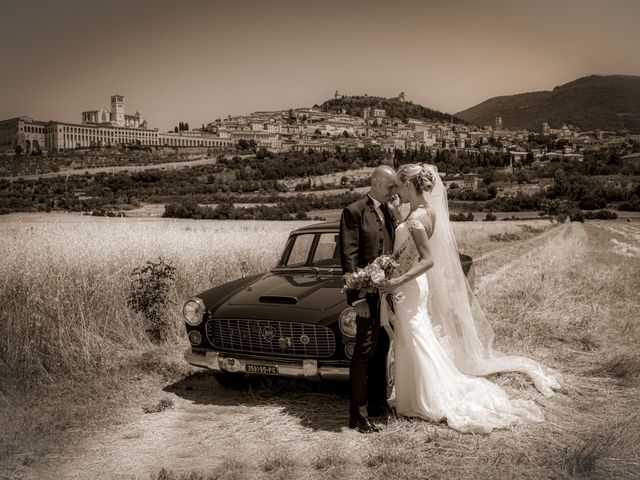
(84,395)
(65,279)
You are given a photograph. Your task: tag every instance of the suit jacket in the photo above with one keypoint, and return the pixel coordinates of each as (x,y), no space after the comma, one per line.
(363,236)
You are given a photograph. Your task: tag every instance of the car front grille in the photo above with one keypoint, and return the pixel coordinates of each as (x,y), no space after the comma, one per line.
(271,337)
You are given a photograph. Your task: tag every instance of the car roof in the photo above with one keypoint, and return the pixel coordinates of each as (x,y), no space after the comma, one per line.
(333,226)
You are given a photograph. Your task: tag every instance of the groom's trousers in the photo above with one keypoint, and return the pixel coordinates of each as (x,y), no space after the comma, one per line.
(368,371)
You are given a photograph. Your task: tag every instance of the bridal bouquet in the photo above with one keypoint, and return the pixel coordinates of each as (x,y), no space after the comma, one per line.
(368,279)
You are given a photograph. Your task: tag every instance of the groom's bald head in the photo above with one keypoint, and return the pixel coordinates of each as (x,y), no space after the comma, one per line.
(383,171)
(383,183)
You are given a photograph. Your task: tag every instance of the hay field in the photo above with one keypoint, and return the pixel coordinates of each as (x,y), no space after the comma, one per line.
(566,296)
(64,280)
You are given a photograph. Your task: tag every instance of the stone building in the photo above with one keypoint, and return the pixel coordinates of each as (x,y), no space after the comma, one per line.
(116,117)
(99,128)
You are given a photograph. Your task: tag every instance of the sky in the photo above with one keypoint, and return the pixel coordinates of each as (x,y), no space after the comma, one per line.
(196,60)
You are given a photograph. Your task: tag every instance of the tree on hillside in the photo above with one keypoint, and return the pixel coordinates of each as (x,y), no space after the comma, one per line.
(182,126)
(394,107)
(489,177)
(529,160)
(262,152)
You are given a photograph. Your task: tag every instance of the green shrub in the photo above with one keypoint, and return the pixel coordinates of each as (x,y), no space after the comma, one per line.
(601,215)
(461,217)
(592,202)
(149,295)
(632,205)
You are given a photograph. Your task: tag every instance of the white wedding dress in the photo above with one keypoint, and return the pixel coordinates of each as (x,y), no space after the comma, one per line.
(427,382)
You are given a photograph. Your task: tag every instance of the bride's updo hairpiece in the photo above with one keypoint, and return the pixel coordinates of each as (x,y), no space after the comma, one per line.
(422,175)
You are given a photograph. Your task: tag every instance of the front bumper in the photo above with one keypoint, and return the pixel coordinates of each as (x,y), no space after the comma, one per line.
(308,368)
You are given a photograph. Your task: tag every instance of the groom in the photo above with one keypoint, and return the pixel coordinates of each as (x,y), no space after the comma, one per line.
(366,232)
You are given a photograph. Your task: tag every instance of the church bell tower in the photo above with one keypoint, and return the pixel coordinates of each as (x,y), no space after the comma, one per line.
(117,110)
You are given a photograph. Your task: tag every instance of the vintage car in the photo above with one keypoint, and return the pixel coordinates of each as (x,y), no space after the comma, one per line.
(292,321)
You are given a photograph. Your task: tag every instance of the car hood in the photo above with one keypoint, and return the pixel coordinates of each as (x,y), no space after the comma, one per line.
(293,290)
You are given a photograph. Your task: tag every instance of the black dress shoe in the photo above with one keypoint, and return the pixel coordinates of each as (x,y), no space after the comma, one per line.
(362,425)
(379,411)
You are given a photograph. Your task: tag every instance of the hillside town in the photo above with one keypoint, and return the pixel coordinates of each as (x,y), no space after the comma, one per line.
(302,129)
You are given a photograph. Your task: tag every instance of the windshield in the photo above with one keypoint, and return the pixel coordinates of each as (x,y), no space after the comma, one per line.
(319,250)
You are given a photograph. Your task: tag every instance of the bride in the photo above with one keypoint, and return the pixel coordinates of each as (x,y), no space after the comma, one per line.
(443,343)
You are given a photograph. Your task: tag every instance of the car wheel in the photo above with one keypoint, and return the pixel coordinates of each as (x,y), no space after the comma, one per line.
(229,379)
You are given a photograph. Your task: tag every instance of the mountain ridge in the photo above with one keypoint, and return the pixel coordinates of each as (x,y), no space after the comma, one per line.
(605,102)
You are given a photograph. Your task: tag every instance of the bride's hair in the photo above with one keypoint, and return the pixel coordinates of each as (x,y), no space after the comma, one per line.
(421,175)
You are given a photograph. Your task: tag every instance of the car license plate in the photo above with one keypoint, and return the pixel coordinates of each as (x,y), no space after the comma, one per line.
(262,369)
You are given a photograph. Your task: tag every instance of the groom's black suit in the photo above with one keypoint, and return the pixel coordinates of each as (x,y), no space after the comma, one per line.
(363,238)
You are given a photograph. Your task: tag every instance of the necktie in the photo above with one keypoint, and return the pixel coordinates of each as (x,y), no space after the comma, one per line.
(379,212)
(386,238)
(383,211)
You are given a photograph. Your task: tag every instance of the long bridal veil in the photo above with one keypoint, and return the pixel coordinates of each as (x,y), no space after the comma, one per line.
(456,314)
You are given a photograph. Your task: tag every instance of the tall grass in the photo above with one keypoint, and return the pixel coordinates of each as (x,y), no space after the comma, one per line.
(64,280)
(475,238)
(64,283)
(575,304)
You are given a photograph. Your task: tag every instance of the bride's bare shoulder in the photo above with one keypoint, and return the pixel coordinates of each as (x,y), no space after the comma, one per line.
(422,219)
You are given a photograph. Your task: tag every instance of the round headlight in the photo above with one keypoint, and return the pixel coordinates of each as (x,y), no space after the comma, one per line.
(194,337)
(349,348)
(193,311)
(348,322)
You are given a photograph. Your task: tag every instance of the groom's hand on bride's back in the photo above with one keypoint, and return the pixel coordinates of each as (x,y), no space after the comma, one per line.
(362,309)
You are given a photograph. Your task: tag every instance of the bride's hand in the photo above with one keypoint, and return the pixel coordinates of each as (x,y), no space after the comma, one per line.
(394,207)
(388,286)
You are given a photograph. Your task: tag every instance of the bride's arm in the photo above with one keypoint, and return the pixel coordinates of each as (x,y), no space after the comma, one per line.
(419,234)
(394,207)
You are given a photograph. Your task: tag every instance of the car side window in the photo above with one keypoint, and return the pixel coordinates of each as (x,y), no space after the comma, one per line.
(300,250)
(326,251)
